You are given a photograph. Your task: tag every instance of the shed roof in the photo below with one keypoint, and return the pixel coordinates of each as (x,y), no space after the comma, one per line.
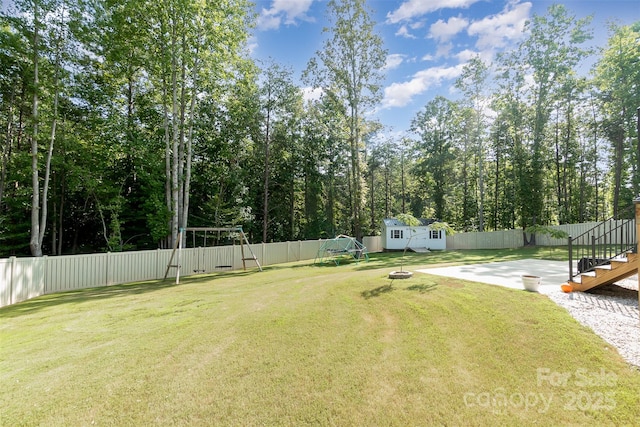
(393,222)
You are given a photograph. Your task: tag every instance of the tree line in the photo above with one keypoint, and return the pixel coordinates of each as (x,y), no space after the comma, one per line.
(125,121)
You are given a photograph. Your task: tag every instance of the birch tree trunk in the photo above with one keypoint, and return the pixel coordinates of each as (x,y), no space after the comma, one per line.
(54,123)
(174,132)
(34,242)
(189,147)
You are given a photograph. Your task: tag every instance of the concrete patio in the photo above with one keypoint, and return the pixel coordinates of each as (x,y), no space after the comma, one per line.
(508,273)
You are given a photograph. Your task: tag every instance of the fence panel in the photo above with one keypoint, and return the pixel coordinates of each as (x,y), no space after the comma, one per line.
(67,273)
(6,281)
(309,249)
(514,239)
(274,253)
(188,258)
(28,279)
(372,243)
(293,251)
(575,230)
(124,267)
(258,250)
(218,258)
(486,240)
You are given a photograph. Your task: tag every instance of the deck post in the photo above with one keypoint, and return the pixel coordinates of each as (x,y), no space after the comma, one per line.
(570,245)
(636,202)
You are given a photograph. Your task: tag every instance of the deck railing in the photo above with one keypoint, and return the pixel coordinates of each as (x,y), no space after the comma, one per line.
(609,239)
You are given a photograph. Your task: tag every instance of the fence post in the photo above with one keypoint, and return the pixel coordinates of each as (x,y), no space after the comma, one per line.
(44,274)
(158,273)
(107,276)
(11,279)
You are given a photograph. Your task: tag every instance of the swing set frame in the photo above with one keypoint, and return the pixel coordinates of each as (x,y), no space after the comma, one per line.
(240,235)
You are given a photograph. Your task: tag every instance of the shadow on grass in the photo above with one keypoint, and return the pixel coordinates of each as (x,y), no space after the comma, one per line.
(376,292)
(106,292)
(81,295)
(423,288)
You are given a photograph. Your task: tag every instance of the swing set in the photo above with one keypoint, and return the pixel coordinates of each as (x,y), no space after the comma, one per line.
(340,248)
(223,259)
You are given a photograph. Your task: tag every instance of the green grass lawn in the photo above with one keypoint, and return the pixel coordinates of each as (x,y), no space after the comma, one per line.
(300,344)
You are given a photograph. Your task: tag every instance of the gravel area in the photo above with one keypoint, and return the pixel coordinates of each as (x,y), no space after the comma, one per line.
(611,312)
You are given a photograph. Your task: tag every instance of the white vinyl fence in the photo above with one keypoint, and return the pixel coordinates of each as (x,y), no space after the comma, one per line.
(25,278)
(514,238)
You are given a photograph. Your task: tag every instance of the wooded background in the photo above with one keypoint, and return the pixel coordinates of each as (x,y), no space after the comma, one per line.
(123,121)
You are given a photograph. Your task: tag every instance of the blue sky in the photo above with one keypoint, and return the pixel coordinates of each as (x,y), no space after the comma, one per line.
(428,41)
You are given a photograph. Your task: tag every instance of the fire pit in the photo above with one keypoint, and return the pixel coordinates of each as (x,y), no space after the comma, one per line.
(400,275)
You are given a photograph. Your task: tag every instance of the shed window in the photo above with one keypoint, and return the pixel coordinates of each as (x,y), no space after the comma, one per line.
(396,234)
(435,234)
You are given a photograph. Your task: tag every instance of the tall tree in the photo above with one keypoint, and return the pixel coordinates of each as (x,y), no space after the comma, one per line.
(49,16)
(565,143)
(15,62)
(437,131)
(472,83)
(198,43)
(326,172)
(616,76)
(464,206)
(35,242)
(551,50)
(503,200)
(351,63)
(278,98)
(404,159)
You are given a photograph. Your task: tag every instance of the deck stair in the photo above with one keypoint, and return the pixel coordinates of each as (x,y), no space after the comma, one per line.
(604,254)
(619,268)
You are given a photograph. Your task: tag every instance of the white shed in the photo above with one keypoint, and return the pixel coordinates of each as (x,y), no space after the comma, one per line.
(396,235)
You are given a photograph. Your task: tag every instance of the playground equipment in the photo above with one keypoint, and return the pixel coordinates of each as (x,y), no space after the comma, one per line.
(223,260)
(340,248)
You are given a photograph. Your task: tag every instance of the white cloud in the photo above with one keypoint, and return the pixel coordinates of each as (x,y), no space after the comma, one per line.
(444,31)
(467,54)
(268,22)
(288,11)
(401,94)
(311,94)
(443,50)
(394,61)
(411,9)
(252,44)
(497,30)
(403,31)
